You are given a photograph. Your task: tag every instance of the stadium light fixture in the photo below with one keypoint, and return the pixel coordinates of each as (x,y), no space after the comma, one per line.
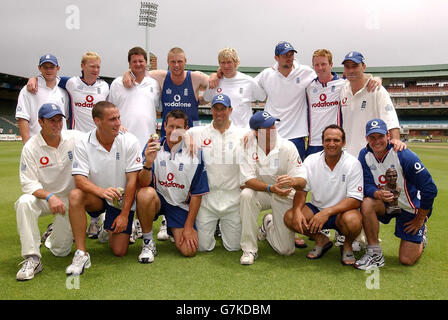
(147,19)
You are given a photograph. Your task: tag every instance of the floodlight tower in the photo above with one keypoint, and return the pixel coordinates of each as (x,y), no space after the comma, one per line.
(147,19)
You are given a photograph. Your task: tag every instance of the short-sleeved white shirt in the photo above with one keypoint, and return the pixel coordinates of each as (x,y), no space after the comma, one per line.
(329,187)
(28,103)
(48,168)
(107,168)
(323,107)
(242,90)
(137,106)
(284,159)
(361,107)
(222,155)
(286,98)
(83,97)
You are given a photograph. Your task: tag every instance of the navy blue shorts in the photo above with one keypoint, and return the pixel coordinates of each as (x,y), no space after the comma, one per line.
(313,149)
(111,214)
(175,216)
(403,218)
(330,224)
(300,145)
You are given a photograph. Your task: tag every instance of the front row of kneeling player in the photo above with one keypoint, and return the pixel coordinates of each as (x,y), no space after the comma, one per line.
(196,187)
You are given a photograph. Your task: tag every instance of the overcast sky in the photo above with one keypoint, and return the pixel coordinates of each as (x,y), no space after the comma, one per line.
(387,32)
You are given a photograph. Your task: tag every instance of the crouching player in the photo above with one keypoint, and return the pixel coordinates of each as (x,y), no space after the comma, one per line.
(177,181)
(106,163)
(415,200)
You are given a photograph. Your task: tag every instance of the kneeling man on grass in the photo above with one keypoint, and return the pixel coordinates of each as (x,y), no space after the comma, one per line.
(105,167)
(335,180)
(172,183)
(417,192)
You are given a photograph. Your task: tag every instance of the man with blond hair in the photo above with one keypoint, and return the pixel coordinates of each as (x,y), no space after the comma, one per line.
(241,88)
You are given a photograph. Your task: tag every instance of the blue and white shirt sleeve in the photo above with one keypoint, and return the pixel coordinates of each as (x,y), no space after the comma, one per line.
(417,174)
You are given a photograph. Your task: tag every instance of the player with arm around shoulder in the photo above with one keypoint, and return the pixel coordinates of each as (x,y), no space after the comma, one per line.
(335,180)
(416,198)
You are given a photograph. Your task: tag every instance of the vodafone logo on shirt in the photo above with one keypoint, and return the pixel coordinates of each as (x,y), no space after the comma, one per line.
(45,162)
(86,104)
(170,183)
(324,103)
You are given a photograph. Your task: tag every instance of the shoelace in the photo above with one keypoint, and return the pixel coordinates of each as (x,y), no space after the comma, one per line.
(27,263)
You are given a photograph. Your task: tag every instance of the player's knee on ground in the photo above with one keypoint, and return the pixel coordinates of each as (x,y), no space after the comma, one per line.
(186,252)
(408,261)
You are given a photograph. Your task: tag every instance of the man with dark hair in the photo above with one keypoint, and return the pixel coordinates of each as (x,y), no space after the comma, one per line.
(172,183)
(46,180)
(137,105)
(105,168)
(334,178)
(415,201)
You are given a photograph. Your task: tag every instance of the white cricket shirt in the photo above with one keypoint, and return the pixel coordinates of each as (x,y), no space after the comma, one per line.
(83,97)
(28,103)
(323,107)
(107,168)
(286,98)
(284,159)
(329,187)
(222,156)
(361,107)
(137,106)
(48,168)
(242,90)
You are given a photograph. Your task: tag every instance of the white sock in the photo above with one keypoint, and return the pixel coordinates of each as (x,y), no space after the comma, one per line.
(147,238)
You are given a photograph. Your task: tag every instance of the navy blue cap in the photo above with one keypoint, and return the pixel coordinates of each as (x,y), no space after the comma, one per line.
(283,48)
(48,58)
(49,110)
(261,119)
(222,99)
(376,126)
(355,57)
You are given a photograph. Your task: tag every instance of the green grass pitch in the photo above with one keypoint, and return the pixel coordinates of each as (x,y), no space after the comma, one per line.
(218,275)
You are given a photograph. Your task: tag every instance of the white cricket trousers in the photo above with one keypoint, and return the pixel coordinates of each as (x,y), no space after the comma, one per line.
(278,235)
(28,210)
(229,224)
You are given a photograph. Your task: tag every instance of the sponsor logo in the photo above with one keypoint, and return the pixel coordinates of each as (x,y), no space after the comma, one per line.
(255,156)
(86,104)
(324,103)
(138,159)
(170,183)
(207,141)
(418,167)
(44,161)
(382,179)
(70,155)
(344,102)
(219,90)
(360,188)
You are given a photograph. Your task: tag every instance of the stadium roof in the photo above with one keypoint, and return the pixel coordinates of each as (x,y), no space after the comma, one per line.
(400,72)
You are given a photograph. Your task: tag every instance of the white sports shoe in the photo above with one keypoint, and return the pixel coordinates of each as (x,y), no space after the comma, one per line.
(267,220)
(163,232)
(30,267)
(103,235)
(248,258)
(81,261)
(148,252)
